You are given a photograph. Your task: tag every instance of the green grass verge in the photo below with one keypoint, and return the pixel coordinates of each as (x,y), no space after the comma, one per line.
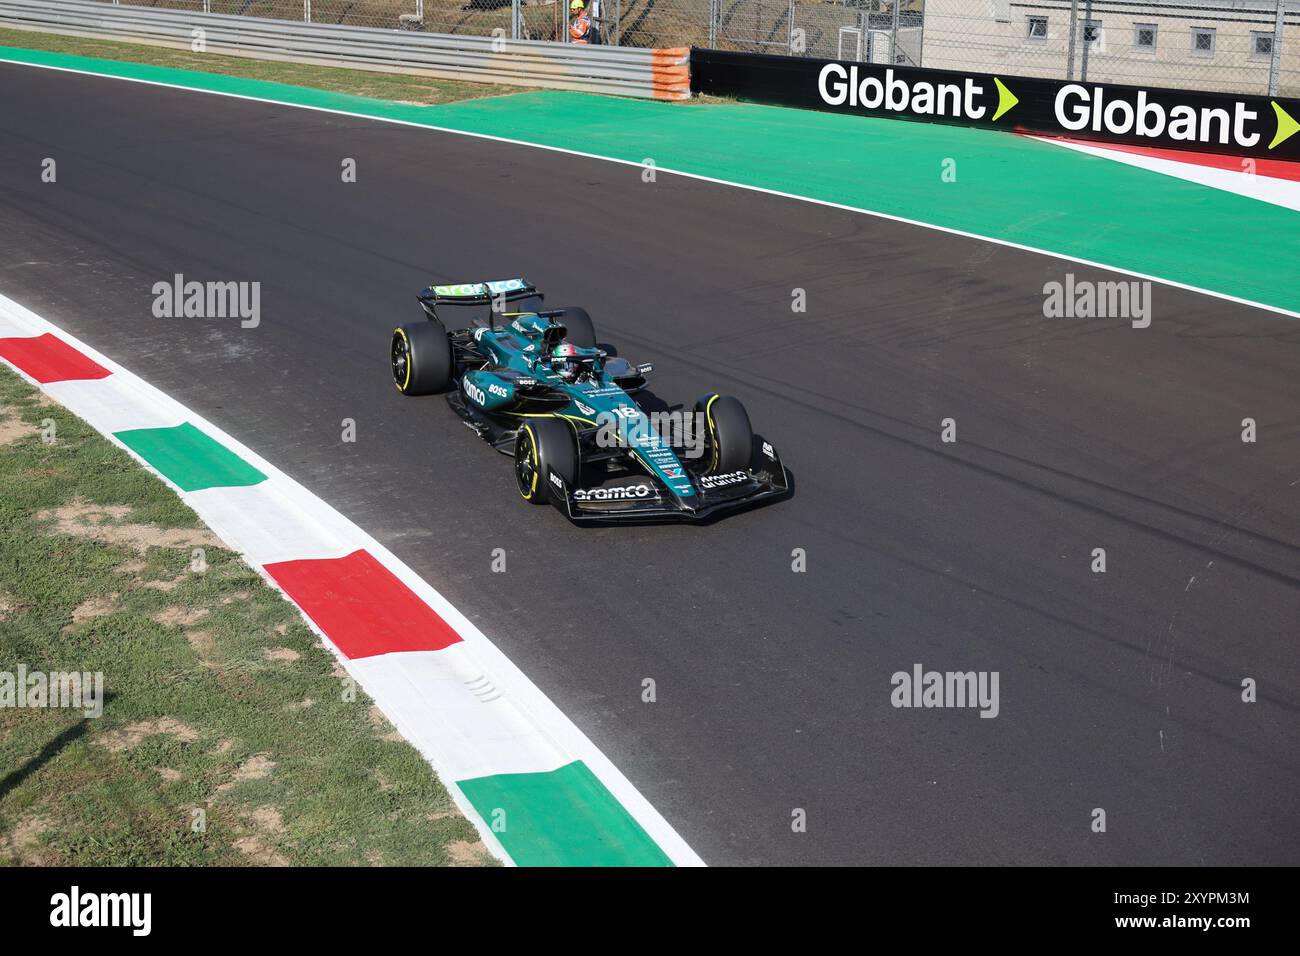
(421,90)
(219,698)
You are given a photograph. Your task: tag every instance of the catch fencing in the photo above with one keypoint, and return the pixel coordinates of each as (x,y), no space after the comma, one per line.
(1229,46)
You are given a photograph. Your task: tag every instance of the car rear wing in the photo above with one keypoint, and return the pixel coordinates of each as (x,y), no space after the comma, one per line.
(493,293)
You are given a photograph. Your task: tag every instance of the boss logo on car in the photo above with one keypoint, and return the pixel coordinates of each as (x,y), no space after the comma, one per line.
(628,492)
(718,481)
(500,390)
(473,391)
(555,480)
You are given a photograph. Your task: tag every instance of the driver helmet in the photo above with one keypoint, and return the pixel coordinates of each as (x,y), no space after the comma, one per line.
(566,357)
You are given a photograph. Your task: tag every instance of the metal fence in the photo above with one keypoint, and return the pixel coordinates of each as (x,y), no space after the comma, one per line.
(1235,46)
(1243,46)
(875,31)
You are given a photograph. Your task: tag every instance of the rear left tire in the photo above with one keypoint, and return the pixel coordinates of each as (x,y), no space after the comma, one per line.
(421,358)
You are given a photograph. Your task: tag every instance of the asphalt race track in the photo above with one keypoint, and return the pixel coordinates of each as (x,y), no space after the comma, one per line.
(1119,690)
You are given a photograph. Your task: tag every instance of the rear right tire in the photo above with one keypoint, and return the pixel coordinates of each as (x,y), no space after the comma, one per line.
(582,332)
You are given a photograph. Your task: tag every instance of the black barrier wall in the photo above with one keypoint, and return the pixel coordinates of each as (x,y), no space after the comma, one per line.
(1255,126)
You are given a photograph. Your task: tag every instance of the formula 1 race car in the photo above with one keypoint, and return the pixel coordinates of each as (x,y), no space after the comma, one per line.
(534,384)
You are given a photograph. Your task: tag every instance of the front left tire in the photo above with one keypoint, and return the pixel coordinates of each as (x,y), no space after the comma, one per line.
(544,445)
(729,437)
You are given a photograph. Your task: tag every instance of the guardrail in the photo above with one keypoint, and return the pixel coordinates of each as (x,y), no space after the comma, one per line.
(621,71)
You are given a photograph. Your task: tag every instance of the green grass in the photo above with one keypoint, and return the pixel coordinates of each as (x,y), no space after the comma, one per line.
(219,698)
(421,90)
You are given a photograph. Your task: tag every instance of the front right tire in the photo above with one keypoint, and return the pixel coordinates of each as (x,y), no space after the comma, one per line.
(581,330)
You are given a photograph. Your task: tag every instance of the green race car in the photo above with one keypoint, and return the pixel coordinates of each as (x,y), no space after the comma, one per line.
(535,385)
